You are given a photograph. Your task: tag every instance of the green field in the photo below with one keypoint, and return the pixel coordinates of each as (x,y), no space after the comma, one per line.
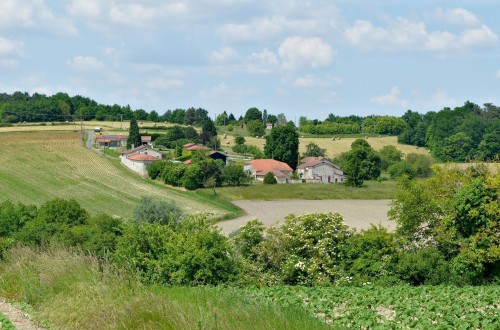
(257,191)
(397,307)
(39,166)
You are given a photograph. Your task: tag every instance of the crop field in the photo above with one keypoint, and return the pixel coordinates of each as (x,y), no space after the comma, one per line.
(398,307)
(334,147)
(39,166)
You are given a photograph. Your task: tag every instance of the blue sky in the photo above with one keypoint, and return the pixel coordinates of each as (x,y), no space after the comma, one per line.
(297,57)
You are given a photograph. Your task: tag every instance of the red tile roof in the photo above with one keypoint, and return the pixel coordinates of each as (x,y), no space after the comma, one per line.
(126,152)
(313,161)
(269,165)
(146,138)
(143,157)
(194,147)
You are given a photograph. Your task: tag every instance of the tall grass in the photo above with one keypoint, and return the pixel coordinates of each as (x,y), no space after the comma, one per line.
(256,191)
(69,290)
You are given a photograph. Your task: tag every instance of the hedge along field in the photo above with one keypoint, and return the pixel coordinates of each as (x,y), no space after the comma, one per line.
(336,147)
(39,166)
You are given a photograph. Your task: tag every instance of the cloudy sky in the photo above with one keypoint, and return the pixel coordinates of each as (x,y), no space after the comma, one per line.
(296,57)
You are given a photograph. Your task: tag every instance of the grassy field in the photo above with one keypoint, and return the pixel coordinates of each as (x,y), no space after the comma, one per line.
(257,191)
(39,166)
(68,290)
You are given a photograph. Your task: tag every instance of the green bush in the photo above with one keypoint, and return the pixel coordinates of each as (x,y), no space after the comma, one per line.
(192,252)
(193,177)
(305,250)
(424,267)
(269,178)
(248,237)
(234,175)
(157,211)
(155,168)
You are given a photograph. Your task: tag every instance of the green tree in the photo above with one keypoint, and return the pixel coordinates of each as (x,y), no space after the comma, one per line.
(253,114)
(313,150)
(150,210)
(269,178)
(389,155)
(193,177)
(458,148)
(256,128)
(360,163)
(208,131)
(238,139)
(134,137)
(283,145)
(234,175)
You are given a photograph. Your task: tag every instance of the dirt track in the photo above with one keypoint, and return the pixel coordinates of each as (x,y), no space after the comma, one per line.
(358,214)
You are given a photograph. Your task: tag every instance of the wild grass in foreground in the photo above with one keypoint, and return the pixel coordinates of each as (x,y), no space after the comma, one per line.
(256,191)
(5,323)
(68,290)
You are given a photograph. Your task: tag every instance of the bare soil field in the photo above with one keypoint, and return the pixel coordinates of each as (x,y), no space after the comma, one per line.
(358,214)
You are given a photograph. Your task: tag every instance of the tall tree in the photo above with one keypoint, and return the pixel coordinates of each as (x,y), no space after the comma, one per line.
(208,131)
(361,163)
(283,144)
(253,114)
(134,137)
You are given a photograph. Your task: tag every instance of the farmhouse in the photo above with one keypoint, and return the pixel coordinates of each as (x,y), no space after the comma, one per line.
(111,141)
(139,158)
(258,168)
(319,170)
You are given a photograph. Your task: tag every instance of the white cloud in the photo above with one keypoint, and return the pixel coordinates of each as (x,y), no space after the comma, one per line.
(457,16)
(33,14)
(163,83)
(87,8)
(391,99)
(498,74)
(224,55)
(263,62)
(299,52)
(223,91)
(309,81)
(86,63)
(404,34)
(10,47)
(138,14)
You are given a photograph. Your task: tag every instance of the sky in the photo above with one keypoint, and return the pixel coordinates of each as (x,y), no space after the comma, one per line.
(297,57)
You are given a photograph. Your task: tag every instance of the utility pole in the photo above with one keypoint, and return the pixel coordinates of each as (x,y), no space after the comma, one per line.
(81,129)
(121,120)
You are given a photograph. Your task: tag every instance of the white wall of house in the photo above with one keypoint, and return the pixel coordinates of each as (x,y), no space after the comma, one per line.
(322,172)
(140,167)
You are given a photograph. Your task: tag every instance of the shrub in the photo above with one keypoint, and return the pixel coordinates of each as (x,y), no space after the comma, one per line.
(157,211)
(193,177)
(191,253)
(230,128)
(234,175)
(248,237)
(155,168)
(269,178)
(239,140)
(305,250)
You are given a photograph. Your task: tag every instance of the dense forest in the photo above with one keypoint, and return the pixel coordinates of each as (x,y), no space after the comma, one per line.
(465,133)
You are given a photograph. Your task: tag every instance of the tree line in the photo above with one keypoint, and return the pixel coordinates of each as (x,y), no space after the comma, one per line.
(448,232)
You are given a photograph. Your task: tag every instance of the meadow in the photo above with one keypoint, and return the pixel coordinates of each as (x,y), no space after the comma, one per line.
(66,289)
(257,191)
(36,167)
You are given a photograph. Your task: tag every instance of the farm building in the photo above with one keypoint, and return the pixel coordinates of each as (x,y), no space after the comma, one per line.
(214,155)
(111,141)
(258,168)
(146,140)
(139,158)
(319,170)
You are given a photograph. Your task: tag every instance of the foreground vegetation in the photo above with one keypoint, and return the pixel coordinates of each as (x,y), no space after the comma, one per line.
(69,290)
(369,307)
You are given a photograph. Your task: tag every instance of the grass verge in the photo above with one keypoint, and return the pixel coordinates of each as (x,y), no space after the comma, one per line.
(68,290)
(256,191)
